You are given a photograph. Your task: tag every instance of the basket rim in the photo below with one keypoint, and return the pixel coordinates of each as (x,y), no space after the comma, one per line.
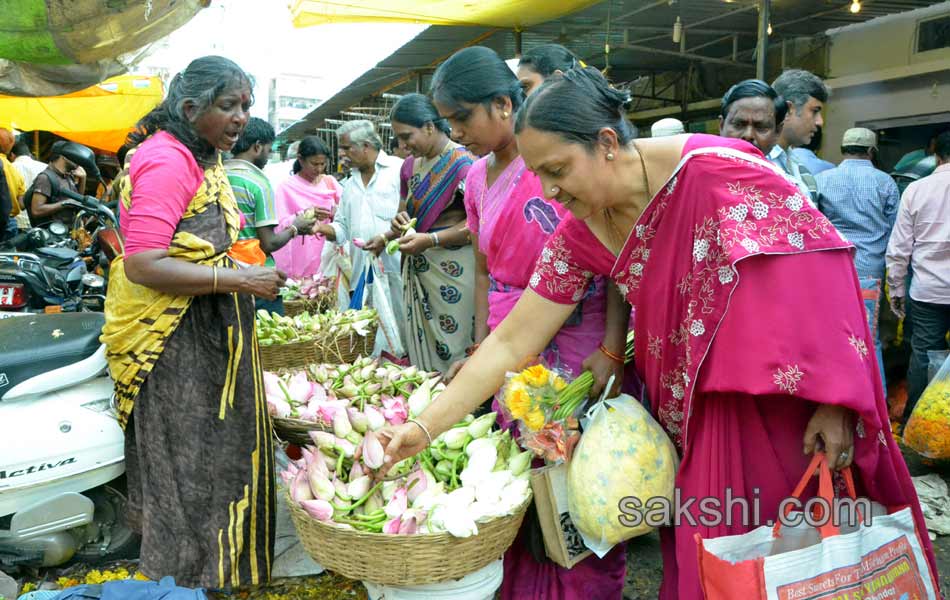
(413,536)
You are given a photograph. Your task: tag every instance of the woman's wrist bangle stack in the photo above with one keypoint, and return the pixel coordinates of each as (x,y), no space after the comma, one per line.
(423,428)
(435,239)
(214,280)
(295,230)
(611,355)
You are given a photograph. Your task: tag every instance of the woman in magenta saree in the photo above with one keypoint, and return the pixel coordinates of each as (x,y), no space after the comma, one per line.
(510,221)
(750,332)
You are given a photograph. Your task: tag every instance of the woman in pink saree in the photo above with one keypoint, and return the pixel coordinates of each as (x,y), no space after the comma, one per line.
(510,221)
(309,187)
(750,332)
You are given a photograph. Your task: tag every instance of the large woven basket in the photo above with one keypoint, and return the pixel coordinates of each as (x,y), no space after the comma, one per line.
(297,431)
(295,355)
(402,560)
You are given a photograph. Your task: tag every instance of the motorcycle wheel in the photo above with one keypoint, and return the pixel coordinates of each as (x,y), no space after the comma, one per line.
(112,538)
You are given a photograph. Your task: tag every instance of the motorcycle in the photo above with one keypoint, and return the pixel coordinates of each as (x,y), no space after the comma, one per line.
(43,269)
(62,460)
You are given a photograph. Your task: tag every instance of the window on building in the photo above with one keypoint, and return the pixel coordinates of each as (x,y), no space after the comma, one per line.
(933,34)
(296,102)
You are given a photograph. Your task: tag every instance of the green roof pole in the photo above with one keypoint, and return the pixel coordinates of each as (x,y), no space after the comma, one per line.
(762,44)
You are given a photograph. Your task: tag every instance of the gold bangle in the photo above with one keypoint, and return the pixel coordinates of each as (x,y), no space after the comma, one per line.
(214,284)
(423,428)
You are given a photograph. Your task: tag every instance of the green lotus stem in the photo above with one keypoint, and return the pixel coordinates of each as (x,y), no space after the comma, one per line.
(361,501)
(339,460)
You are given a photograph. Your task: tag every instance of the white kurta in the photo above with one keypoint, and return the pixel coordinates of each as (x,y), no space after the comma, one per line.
(366,212)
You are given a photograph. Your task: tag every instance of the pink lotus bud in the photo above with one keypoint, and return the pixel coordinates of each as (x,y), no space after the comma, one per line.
(299,388)
(272,385)
(317,393)
(328,461)
(320,486)
(323,439)
(397,504)
(320,510)
(340,489)
(300,487)
(318,466)
(394,410)
(287,477)
(358,487)
(373,454)
(357,419)
(356,471)
(307,455)
(392,526)
(419,481)
(341,424)
(374,418)
(409,523)
(348,448)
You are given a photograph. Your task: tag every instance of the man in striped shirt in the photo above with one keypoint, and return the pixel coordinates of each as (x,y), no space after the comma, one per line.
(861,202)
(255,197)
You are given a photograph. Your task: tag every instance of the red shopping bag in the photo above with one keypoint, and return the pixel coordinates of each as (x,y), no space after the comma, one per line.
(876,561)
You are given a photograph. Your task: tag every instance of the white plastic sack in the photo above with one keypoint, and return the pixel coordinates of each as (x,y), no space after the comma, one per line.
(335,265)
(623,453)
(385,295)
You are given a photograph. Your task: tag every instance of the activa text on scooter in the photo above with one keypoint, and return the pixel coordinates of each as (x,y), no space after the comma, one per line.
(37,468)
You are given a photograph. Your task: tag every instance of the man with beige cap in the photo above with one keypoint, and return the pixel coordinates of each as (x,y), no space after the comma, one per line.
(861,202)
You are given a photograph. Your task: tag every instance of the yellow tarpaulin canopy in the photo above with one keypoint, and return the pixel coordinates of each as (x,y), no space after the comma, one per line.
(488,13)
(100,116)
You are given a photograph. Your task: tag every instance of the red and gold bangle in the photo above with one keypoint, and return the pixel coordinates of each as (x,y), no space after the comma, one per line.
(611,355)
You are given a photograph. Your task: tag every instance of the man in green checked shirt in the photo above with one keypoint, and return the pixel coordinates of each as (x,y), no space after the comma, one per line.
(255,197)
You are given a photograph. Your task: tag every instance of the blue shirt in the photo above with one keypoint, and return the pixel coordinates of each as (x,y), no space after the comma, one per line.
(811,161)
(861,202)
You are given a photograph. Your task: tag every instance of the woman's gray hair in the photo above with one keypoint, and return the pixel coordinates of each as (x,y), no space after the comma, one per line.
(361,132)
(200,83)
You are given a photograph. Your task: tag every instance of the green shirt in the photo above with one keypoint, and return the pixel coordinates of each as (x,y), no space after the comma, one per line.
(255,198)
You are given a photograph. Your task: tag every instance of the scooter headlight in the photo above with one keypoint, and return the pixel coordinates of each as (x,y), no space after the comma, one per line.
(93,281)
(101,405)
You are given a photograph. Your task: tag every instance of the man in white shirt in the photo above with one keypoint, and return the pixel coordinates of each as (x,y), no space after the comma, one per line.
(29,168)
(921,240)
(369,202)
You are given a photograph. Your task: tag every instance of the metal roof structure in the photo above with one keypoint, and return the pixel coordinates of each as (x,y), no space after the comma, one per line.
(717,45)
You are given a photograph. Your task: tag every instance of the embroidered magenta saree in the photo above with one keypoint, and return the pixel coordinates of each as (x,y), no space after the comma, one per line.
(734,372)
(513,221)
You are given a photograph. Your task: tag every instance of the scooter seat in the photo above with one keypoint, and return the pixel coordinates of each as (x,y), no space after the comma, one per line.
(58,255)
(32,345)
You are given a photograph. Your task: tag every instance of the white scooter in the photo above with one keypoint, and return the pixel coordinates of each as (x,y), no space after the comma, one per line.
(61,449)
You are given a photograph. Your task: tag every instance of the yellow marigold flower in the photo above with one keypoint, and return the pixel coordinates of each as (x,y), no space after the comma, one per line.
(559,384)
(140,576)
(536,376)
(534,419)
(28,587)
(519,403)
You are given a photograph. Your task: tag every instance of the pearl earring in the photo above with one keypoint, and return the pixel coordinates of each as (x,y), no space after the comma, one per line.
(610,156)
(554,190)
(504,115)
